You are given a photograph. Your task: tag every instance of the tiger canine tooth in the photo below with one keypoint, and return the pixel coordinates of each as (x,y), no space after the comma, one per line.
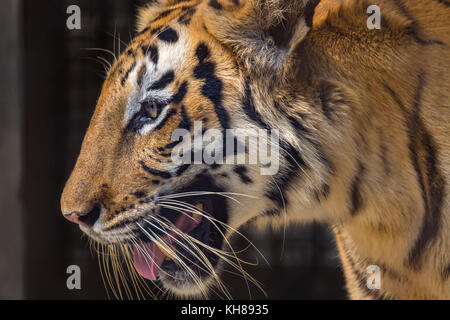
(169,252)
(196,215)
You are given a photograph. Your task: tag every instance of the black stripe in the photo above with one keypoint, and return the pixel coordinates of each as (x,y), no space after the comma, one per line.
(153,158)
(163,14)
(414,29)
(327,101)
(412,146)
(142,31)
(168,146)
(179,96)
(162,174)
(384,156)
(202,52)
(305,133)
(282,181)
(163,82)
(168,35)
(446,272)
(435,182)
(419,139)
(168,154)
(185,122)
(309,10)
(154,56)
(323,192)
(241,171)
(182,169)
(444,2)
(216,166)
(170,114)
(355,195)
(130,52)
(186,17)
(396,98)
(140,77)
(271,212)
(155,30)
(215,4)
(140,194)
(213,87)
(301,130)
(329,166)
(125,77)
(249,108)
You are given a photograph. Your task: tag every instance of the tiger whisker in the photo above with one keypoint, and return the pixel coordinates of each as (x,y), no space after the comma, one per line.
(205,259)
(212,219)
(285,218)
(217,250)
(102,63)
(189,239)
(196,210)
(162,244)
(136,276)
(157,242)
(144,251)
(176,240)
(251,279)
(102,50)
(239,267)
(187,194)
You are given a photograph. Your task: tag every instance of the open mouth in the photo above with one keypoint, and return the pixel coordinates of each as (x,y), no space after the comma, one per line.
(183,237)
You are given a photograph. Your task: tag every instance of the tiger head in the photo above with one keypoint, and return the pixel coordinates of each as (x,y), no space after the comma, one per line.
(142,181)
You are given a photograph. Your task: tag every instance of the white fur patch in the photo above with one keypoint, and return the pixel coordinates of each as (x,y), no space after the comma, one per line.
(172,56)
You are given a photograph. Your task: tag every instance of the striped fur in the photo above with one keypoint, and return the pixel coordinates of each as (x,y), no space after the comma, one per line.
(363,117)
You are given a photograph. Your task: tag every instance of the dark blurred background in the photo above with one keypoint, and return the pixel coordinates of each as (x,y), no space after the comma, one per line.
(49,84)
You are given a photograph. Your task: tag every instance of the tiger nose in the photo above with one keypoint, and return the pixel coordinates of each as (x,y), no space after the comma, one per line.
(86,219)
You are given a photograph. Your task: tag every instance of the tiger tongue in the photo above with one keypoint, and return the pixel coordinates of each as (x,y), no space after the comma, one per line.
(148,257)
(147,260)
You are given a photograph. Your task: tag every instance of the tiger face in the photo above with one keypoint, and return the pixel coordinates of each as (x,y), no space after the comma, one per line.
(127,190)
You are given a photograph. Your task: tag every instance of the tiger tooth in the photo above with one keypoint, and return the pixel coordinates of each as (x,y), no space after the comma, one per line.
(199,206)
(165,251)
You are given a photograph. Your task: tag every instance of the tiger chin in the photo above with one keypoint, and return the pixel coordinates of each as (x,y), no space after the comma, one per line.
(361,116)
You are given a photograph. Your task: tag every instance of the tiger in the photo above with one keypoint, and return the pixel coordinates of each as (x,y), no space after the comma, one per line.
(361,117)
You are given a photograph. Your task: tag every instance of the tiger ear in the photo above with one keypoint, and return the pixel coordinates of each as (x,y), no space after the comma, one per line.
(263,33)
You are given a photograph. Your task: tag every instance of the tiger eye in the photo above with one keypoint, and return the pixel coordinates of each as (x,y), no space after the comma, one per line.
(152,110)
(149,109)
